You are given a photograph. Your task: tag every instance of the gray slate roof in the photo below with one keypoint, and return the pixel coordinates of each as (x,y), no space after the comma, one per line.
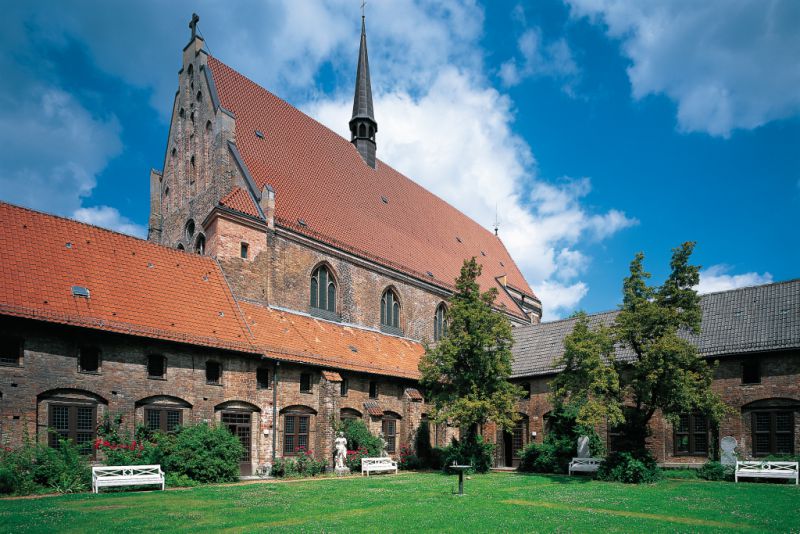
(750,319)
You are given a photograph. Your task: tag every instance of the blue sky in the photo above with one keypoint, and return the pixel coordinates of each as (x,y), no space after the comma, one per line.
(594,129)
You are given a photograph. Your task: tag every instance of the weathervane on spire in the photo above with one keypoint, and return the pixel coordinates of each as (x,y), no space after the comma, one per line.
(363,3)
(193,24)
(496,220)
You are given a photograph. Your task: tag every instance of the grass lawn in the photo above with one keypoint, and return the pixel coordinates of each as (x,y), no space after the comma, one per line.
(413,502)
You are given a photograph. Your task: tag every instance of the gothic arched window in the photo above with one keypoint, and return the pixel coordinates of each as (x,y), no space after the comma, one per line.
(323,289)
(390,309)
(200,245)
(362,131)
(440,322)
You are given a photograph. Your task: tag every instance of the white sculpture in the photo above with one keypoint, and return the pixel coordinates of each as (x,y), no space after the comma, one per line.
(384,444)
(340,445)
(583,447)
(727,447)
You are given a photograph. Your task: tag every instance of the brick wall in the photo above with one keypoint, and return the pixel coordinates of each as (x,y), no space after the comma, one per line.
(359,288)
(50,367)
(780,386)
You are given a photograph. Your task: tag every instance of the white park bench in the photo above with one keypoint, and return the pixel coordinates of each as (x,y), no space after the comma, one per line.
(375,465)
(126,475)
(584,465)
(765,469)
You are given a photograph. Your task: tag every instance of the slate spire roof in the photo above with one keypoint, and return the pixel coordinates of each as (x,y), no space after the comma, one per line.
(363,126)
(362,101)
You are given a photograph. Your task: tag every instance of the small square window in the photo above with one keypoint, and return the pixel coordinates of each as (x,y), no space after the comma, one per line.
(344,387)
(89,360)
(262,378)
(213,373)
(10,350)
(751,372)
(373,389)
(244,250)
(305,382)
(156,366)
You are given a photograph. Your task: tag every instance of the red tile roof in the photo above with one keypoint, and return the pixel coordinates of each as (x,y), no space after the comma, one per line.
(240,200)
(332,376)
(305,339)
(144,289)
(414,394)
(373,408)
(319,177)
(135,287)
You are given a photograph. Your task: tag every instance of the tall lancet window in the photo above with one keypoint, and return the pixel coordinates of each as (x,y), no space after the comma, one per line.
(440,322)
(323,290)
(390,309)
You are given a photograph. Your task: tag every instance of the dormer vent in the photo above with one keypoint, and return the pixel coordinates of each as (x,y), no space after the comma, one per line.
(80,291)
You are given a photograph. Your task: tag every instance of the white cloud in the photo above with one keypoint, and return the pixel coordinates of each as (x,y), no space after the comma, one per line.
(480,165)
(560,298)
(727,64)
(716,278)
(110,218)
(553,59)
(53,149)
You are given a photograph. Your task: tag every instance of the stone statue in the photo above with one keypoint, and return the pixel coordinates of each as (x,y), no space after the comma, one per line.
(727,455)
(340,445)
(340,448)
(384,444)
(583,447)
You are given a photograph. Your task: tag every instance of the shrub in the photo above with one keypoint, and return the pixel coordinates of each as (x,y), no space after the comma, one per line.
(204,453)
(358,437)
(407,459)
(133,453)
(715,471)
(422,444)
(552,456)
(560,444)
(302,465)
(468,452)
(353,458)
(37,468)
(631,468)
(436,459)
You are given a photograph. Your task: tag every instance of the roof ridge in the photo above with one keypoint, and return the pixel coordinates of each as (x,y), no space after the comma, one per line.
(755,286)
(298,313)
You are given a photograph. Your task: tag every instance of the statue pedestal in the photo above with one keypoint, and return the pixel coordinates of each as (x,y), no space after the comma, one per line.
(342,471)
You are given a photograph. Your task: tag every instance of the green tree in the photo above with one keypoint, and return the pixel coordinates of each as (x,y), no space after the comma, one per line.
(589,385)
(465,375)
(663,371)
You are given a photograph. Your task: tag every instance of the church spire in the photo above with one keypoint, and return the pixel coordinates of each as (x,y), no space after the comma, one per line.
(363,125)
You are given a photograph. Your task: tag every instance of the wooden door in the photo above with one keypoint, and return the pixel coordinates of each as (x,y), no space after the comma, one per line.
(239,425)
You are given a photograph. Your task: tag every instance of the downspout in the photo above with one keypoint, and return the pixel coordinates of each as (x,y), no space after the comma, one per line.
(275,410)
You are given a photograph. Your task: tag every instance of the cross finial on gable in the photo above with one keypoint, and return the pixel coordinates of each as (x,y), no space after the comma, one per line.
(193,24)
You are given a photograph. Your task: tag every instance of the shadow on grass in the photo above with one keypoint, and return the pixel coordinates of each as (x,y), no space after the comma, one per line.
(558,479)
